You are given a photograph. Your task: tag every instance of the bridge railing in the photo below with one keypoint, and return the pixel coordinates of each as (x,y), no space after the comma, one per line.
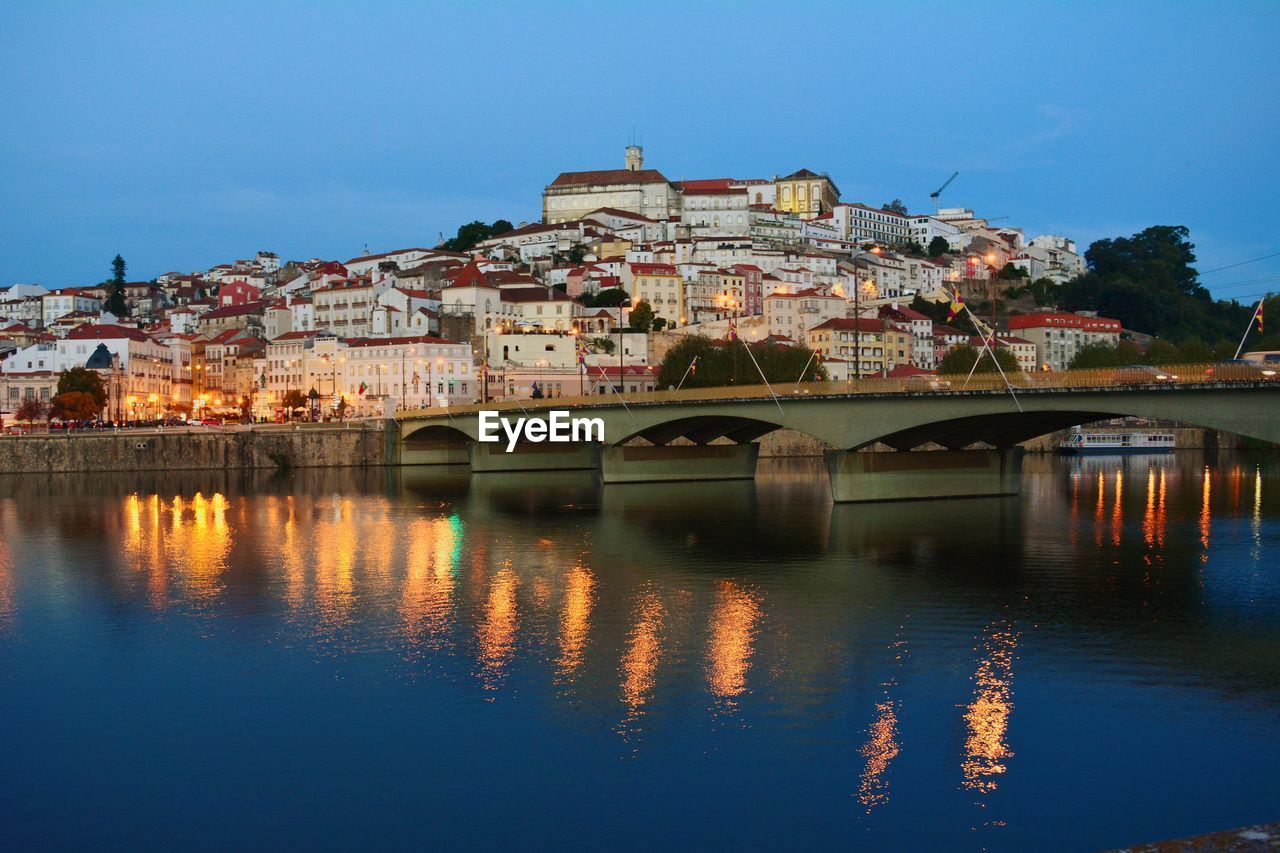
(1102,378)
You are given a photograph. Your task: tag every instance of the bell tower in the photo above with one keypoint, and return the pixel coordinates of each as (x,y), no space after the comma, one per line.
(635,158)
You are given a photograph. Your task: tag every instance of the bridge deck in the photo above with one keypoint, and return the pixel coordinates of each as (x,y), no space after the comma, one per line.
(1179,377)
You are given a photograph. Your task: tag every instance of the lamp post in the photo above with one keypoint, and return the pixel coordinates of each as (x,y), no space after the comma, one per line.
(991,267)
(869,286)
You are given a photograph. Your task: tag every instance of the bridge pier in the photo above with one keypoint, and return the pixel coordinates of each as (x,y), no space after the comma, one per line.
(679,463)
(921,475)
(490,457)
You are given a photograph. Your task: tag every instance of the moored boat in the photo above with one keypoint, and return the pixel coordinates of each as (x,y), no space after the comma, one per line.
(1118,442)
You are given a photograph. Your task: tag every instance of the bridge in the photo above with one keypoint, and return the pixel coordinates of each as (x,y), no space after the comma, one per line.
(971,426)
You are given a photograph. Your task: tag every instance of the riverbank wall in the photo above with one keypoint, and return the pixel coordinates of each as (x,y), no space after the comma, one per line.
(181,450)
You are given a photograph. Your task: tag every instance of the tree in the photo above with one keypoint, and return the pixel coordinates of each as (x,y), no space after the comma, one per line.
(467,237)
(659,323)
(605,345)
(609,297)
(1102,355)
(75,406)
(83,380)
(641,318)
(961,359)
(1009,271)
(294,399)
(715,364)
(115,288)
(895,206)
(30,409)
(1163,352)
(473,232)
(1149,283)
(938,246)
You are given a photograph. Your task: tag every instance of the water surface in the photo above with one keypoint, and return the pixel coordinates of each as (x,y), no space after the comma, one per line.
(416,657)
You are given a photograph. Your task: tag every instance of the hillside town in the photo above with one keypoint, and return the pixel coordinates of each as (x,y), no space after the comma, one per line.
(623,264)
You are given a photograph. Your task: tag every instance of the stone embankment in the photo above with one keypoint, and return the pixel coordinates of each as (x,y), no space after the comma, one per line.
(187,450)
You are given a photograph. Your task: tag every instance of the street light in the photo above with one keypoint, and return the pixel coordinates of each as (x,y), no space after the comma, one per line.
(869,287)
(991,269)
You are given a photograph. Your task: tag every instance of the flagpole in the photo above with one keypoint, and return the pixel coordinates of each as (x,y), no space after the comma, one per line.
(762,376)
(806,366)
(686,373)
(1249,328)
(1007,383)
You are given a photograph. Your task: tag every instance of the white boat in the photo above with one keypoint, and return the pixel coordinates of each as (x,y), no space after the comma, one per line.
(1118,442)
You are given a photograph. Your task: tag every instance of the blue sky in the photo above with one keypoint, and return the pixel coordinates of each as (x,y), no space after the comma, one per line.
(185,134)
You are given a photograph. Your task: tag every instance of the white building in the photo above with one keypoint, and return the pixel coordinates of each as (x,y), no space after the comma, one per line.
(1058,336)
(69,300)
(572,195)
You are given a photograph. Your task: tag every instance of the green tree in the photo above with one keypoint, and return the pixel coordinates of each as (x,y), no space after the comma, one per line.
(1101,355)
(641,316)
(467,237)
(1149,282)
(604,345)
(1194,351)
(502,226)
(715,364)
(1163,352)
(115,288)
(895,206)
(659,323)
(1009,271)
(84,380)
(609,297)
(960,361)
(75,406)
(938,246)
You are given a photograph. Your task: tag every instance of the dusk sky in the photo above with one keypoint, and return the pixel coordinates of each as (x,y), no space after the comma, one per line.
(183,135)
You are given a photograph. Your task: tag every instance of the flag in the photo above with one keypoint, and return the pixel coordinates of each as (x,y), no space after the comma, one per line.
(1258,314)
(582,352)
(693,366)
(733,330)
(957,304)
(362,388)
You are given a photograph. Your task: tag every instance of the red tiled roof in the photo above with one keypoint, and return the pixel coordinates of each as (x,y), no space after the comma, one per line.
(1063,319)
(97,332)
(850,324)
(609,177)
(377,342)
(653,269)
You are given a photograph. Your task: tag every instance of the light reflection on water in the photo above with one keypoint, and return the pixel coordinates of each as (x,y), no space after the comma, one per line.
(1129,601)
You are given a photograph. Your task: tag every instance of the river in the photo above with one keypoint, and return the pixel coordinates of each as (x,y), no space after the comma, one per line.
(402,658)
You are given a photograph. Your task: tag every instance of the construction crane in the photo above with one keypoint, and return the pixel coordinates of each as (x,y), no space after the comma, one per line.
(934,195)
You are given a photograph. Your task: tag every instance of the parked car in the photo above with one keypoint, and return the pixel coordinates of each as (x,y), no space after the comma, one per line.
(1143,374)
(211,422)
